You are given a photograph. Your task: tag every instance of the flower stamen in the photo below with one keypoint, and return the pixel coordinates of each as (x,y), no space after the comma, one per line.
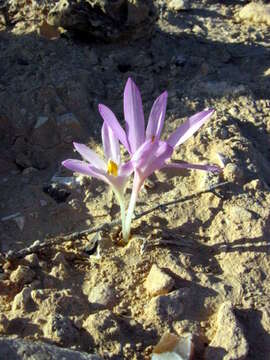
(112,168)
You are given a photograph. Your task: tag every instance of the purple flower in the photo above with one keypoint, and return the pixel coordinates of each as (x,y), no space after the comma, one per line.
(148,152)
(111,171)
(138,141)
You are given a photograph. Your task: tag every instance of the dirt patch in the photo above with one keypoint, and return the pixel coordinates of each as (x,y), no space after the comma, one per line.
(212,248)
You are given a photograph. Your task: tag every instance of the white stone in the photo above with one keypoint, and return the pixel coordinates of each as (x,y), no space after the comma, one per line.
(178,5)
(102,296)
(158,282)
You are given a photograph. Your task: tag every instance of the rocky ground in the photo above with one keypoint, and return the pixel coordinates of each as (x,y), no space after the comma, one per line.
(199,266)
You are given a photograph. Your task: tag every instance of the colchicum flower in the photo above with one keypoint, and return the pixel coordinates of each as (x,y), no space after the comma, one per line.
(111,171)
(149,153)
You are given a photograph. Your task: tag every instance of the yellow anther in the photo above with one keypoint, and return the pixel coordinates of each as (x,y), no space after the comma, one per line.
(153,138)
(112,168)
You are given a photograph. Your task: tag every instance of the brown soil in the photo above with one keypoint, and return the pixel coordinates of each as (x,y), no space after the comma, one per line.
(208,55)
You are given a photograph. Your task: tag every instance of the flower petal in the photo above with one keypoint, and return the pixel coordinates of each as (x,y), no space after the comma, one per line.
(156,118)
(82,167)
(111,120)
(90,156)
(110,144)
(134,116)
(143,153)
(126,169)
(189,127)
(184,165)
(151,157)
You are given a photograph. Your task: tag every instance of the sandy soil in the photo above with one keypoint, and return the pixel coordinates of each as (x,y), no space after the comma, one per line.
(214,246)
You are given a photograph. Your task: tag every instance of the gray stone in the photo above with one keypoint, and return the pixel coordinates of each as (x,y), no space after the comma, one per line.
(18,349)
(167,307)
(61,329)
(229,342)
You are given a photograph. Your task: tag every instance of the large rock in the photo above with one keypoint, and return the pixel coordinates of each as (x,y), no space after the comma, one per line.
(229,342)
(104,19)
(18,349)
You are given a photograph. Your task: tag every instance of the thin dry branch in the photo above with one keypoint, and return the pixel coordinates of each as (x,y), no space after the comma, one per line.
(38,245)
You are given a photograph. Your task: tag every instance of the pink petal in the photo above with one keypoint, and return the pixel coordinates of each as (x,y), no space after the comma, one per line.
(83,167)
(110,144)
(156,118)
(151,157)
(90,156)
(134,116)
(111,120)
(189,127)
(212,168)
(126,169)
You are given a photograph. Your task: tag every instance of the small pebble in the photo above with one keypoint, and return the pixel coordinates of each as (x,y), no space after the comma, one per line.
(178,5)
(158,282)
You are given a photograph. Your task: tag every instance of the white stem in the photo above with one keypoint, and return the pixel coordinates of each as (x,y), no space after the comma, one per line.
(121,200)
(133,198)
